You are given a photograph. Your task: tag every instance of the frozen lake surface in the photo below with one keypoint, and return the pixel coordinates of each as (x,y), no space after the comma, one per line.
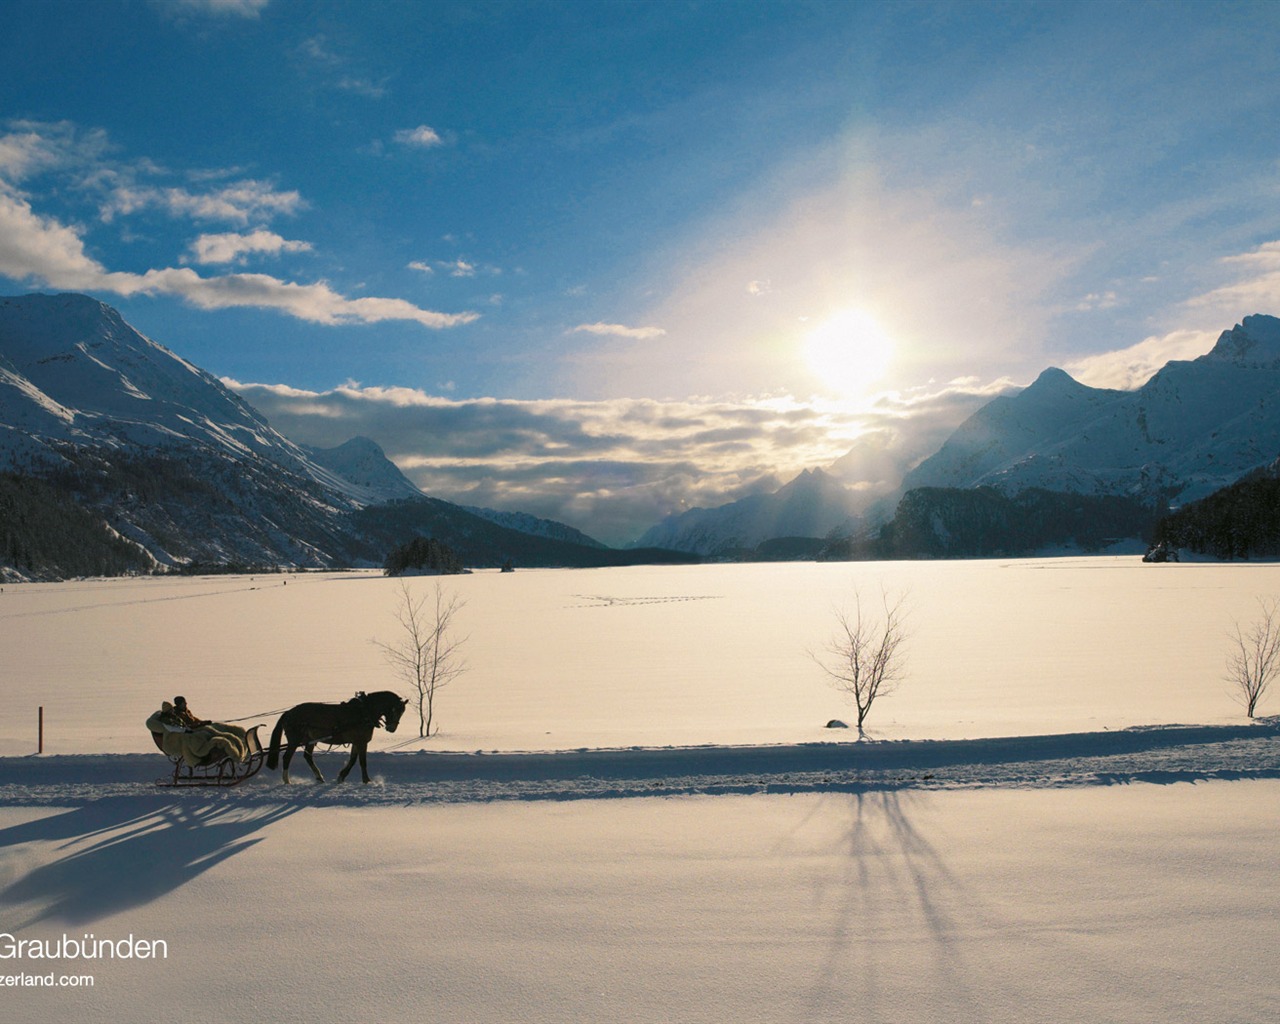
(647,656)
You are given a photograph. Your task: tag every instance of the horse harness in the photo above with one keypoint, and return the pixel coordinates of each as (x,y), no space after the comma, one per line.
(371,718)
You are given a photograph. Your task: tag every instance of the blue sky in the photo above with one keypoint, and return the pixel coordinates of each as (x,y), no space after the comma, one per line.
(603,261)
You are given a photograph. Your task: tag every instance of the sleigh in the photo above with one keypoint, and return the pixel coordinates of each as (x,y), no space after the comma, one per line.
(216,768)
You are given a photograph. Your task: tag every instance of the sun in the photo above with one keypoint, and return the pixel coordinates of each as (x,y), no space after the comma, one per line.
(849,352)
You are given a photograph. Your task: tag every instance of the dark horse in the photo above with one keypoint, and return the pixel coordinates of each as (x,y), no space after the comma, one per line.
(352,721)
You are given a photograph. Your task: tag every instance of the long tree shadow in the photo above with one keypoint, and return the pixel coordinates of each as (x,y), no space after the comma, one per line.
(891,877)
(123,852)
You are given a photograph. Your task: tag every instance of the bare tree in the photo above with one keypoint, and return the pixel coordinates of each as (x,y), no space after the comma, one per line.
(427,653)
(865,657)
(1254,659)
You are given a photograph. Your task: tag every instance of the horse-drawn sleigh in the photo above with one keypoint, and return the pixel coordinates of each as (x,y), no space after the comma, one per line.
(218,754)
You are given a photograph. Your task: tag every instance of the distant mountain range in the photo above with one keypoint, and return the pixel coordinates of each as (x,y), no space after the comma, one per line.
(98,421)
(143,459)
(1196,426)
(814,504)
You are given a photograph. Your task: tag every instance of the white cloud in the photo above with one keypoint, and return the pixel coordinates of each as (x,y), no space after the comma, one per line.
(219,8)
(1131,367)
(317,303)
(615,466)
(363,87)
(319,56)
(620,331)
(454,268)
(1266,256)
(423,136)
(23,152)
(1098,300)
(234,248)
(237,203)
(316,48)
(39,248)
(31,147)
(1256,289)
(32,246)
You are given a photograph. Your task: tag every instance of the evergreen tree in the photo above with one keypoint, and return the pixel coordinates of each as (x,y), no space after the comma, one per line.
(423,554)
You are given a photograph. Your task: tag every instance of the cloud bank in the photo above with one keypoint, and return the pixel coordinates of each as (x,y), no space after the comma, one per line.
(614,468)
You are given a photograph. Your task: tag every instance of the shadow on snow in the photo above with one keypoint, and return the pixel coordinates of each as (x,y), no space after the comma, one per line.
(117,853)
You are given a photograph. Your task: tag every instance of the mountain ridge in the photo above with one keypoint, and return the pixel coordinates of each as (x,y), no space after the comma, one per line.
(812,504)
(1195,426)
(188,472)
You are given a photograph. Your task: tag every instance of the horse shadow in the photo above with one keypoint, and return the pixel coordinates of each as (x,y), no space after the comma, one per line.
(117,853)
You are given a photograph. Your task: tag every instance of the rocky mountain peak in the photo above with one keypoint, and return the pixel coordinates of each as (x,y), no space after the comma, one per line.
(1254,341)
(1054,379)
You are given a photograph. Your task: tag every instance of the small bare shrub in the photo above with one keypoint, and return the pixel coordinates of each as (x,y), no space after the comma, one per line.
(865,657)
(427,653)
(1254,658)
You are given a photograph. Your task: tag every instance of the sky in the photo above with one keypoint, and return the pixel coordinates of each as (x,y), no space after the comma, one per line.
(602,262)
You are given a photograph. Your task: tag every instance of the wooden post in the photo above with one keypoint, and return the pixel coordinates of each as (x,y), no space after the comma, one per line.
(40,732)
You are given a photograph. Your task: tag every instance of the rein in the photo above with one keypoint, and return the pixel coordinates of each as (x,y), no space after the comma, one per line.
(259,714)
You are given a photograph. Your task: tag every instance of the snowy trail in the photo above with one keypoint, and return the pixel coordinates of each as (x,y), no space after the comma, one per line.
(1161,754)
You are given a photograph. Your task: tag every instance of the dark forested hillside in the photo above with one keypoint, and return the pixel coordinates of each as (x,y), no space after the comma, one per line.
(45,534)
(479,542)
(947,522)
(1240,521)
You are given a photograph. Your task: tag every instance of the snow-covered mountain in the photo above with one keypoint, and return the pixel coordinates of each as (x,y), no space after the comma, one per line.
(1193,428)
(175,462)
(74,374)
(812,505)
(523,522)
(190,470)
(364,471)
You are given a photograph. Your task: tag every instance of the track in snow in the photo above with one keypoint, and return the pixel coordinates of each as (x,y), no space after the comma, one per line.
(1160,754)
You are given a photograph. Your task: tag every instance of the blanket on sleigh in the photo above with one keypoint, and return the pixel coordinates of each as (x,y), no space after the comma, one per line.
(194,745)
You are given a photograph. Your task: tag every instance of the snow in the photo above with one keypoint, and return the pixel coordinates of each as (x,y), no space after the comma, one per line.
(634,812)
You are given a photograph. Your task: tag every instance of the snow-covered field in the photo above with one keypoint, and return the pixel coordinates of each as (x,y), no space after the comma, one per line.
(633,811)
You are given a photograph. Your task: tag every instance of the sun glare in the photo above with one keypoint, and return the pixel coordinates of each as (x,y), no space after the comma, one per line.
(848,353)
